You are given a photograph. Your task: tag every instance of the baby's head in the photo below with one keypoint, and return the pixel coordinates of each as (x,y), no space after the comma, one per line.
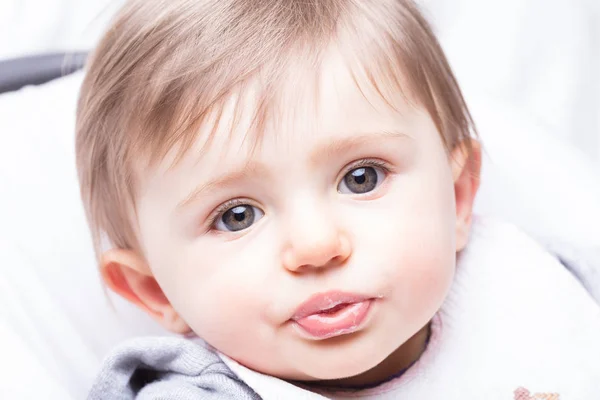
(248,164)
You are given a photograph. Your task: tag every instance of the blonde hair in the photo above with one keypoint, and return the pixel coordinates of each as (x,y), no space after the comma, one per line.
(164,66)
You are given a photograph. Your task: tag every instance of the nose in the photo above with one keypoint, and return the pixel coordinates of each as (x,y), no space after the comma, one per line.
(315,241)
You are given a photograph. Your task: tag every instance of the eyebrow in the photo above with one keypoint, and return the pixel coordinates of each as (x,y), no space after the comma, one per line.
(343,145)
(248,170)
(323,152)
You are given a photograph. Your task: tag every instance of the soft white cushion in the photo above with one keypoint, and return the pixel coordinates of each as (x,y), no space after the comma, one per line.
(56,322)
(534,179)
(50,291)
(541,56)
(39,26)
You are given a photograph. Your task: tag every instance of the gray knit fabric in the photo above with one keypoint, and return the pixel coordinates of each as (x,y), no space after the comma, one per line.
(167,368)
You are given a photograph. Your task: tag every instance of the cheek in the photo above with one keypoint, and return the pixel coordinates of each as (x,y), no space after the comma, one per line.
(419,260)
(410,239)
(417,273)
(423,279)
(215,291)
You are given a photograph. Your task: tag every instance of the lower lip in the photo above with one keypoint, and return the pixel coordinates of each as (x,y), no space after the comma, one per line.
(342,322)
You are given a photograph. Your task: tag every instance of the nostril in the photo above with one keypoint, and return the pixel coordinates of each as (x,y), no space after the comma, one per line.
(337,259)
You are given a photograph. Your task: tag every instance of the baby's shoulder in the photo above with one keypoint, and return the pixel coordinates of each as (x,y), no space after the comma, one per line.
(166,368)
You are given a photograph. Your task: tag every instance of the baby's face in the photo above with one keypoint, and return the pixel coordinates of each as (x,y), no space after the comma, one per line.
(320,253)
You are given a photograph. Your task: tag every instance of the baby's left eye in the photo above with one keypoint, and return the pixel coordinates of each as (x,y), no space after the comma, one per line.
(238,218)
(361,180)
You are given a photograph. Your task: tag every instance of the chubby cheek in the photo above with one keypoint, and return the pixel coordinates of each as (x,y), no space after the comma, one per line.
(218,298)
(422,283)
(418,253)
(419,274)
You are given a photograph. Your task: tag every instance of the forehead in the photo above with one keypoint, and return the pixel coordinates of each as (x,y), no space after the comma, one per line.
(328,103)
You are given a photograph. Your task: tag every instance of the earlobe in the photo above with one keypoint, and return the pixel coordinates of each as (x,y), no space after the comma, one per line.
(466,169)
(126,273)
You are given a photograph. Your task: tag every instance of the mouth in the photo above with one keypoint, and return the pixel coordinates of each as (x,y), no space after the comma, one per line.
(326,315)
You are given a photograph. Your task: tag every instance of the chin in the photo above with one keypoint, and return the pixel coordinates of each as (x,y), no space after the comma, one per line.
(349,357)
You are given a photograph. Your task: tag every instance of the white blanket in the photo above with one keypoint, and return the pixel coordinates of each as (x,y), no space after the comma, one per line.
(531,73)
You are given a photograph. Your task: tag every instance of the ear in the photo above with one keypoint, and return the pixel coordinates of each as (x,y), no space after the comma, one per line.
(466,168)
(126,273)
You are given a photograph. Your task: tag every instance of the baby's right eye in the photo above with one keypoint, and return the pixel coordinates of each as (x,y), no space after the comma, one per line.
(237,218)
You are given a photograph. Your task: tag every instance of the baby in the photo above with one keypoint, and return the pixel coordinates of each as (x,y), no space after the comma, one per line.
(292,181)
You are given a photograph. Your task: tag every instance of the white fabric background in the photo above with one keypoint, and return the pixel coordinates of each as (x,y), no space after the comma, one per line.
(540,56)
(530,70)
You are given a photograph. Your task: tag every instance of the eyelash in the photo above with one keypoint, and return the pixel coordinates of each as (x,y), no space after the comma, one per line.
(367,162)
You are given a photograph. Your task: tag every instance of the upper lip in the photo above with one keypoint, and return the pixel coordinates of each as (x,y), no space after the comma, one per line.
(324,301)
